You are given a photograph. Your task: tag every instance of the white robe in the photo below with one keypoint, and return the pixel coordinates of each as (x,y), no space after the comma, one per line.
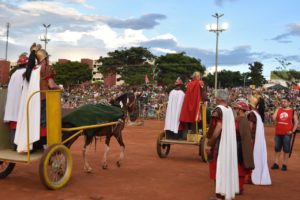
(173,110)
(227,178)
(260,174)
(34,113)
(14,91)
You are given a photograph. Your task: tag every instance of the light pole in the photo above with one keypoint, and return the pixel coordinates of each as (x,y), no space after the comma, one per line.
(7,34)
(45,39)
(217,29)
(245,80)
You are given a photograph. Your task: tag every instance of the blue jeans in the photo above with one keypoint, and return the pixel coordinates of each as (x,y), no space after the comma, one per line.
(283,141)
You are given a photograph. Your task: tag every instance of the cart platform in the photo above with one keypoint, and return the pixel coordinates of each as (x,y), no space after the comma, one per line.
(13,156)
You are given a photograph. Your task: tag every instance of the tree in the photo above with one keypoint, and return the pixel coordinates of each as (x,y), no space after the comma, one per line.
(257,78)
(226,79)
(72,73)
(172,66)
(290,76)
(130,63)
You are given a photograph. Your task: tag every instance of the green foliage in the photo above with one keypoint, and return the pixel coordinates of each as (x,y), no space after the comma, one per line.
(172,66)
(290,75)
(209,80)
(256,70)
(72,73)
(135,74)
(226,79)
(129,63)
(118,59)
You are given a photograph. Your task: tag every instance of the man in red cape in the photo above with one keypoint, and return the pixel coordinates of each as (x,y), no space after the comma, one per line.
(195,94)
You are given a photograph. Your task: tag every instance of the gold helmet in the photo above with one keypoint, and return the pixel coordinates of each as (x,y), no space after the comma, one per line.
(41,55)
(35,47)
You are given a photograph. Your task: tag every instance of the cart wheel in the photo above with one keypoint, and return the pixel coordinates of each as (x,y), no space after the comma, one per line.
(202,147)
(56,166)
(6,168)
(162,149)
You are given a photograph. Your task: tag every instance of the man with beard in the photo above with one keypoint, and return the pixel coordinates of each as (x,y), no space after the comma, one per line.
(191,107)
(222,149)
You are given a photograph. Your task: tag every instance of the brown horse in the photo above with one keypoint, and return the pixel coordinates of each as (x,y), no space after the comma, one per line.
(108,132)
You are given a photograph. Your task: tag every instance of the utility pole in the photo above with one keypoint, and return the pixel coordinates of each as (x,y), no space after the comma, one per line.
(45,39)
(217,29)
(7,34)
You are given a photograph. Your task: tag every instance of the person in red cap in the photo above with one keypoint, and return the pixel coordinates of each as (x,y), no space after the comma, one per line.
(244,143)
(175,101)
(194,96)
(14,92)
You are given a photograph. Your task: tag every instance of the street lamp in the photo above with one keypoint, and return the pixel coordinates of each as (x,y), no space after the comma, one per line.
(217,29)
(45,39)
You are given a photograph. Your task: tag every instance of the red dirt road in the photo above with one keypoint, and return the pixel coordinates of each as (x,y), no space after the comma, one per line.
(144,176)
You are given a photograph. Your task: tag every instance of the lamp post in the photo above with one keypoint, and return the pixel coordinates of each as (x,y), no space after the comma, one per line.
(45,39)
(217,29)
(245,80)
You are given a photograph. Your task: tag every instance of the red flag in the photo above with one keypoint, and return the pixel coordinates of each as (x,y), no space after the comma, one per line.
(146,79)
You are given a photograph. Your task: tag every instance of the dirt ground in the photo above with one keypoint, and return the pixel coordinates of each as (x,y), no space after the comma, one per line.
(144,176)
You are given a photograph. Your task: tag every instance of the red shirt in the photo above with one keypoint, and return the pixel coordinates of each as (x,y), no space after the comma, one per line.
(284,120)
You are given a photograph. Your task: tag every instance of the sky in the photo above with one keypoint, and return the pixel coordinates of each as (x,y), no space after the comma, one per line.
(258,30)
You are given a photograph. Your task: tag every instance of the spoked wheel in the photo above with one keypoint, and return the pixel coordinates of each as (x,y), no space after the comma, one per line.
(202,147)
(56,167)
(6,168)
(162,149)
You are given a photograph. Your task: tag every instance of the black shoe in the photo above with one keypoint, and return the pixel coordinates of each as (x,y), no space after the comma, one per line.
(275,166)
(284,168)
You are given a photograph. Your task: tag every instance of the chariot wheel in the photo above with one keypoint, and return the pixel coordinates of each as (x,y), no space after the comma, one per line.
(56,166)
(202,147)
(6,168)
(162,149)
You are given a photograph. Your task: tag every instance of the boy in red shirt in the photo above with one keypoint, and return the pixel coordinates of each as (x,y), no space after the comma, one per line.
(286,123)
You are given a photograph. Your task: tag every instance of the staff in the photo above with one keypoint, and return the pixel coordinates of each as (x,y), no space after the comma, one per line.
(293,141)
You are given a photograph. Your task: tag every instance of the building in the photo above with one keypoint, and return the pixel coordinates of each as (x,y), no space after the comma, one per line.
(4,72)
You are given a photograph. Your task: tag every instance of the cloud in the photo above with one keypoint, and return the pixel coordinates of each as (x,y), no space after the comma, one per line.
(292,30)
(221,2)
(147,21)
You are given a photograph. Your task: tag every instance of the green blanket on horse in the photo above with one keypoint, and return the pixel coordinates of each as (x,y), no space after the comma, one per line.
(91,115)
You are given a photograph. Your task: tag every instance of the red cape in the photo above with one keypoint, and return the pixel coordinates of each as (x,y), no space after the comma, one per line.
(191,103)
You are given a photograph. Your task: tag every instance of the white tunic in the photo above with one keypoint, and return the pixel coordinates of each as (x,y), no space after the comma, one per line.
(173,110)
(34,113)
(227,179)
(260,174)
(14,91)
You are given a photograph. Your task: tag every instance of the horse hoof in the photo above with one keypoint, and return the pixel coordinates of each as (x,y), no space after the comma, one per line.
(88,170)
(105,166)
(118,163)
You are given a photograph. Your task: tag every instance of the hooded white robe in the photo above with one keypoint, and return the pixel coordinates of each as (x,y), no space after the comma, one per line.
(227,178)
(34,112)
(175,101)
(14,91)
(260,175)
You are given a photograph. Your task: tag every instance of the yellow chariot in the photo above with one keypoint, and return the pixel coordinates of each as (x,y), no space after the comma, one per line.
(56,162)
(163,144)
